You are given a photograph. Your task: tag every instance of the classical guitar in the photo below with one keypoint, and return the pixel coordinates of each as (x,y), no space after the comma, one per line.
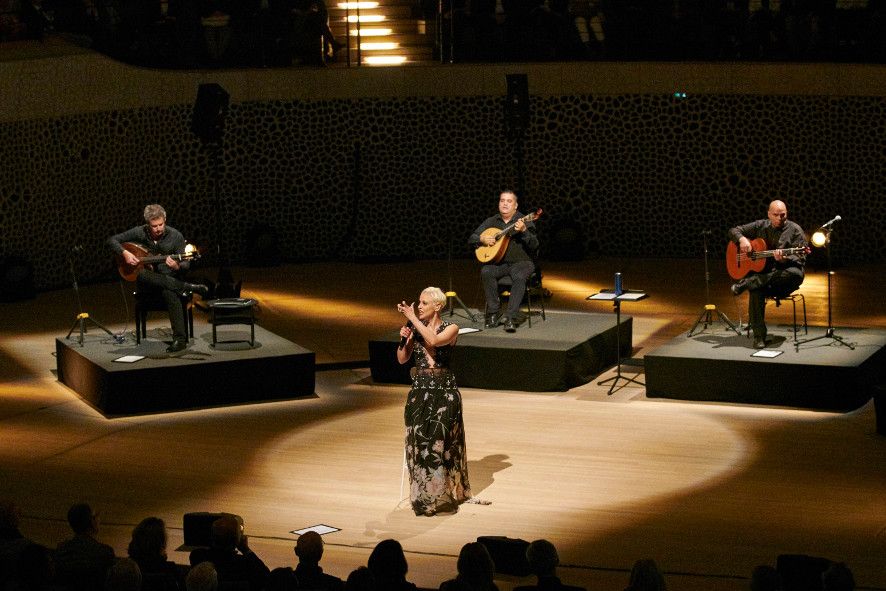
(740,263)
(494,252)
(146,259)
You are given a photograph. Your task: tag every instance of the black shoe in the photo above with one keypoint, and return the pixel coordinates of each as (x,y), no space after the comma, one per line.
(510,326)
(493,319)
(197,288)
(177,346)
(739,288)
(761,342)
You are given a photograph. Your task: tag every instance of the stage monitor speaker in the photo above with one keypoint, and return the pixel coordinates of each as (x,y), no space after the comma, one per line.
(800,572)
(517,102)
(198,527)
(210,110)
(508,554)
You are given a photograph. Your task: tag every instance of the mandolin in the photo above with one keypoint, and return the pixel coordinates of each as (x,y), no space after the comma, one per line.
(146,259)
(494,253)
(740,263)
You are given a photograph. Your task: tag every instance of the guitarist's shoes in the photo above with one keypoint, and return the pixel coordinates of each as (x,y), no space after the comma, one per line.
(510,326)
(177,346)
(739,288)
(493,319)
(197,288)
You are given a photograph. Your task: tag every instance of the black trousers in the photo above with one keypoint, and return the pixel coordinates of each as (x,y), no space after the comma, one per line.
(519,273)
(775,283)
(170,289)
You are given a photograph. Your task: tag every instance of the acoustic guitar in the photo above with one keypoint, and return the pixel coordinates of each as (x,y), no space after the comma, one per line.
(740,263)
(494,252)
(146,259)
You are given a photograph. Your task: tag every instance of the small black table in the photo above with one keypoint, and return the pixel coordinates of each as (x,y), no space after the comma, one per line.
(232,311)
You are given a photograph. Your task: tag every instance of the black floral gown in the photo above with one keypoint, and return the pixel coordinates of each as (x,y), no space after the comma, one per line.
(435,434)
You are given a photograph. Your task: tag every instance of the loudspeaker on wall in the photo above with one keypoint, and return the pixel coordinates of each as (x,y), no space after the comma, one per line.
(210,110)
(517,102)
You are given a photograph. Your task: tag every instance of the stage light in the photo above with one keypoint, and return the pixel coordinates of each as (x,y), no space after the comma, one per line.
(357,5)
(369,18)
(819,238)
(372,32)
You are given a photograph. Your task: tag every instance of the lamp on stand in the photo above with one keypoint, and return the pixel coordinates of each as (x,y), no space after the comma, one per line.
(822,239)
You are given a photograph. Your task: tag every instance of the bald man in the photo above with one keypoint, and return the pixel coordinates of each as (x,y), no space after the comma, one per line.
(781,276)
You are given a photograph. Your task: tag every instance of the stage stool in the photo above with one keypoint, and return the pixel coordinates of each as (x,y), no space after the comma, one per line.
(532,284)
(793,298)
(232,311)
(152,302)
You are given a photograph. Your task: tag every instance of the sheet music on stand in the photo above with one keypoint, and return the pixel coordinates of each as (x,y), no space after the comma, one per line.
(629,295)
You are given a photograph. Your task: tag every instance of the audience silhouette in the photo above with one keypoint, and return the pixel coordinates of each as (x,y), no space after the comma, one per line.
(229,552)
(543,559)
(82,562)
(475,570)
(388,565)
(645,576)
(309,549)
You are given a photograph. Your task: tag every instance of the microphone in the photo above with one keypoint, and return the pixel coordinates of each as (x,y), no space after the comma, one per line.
(403,339)
(828,225)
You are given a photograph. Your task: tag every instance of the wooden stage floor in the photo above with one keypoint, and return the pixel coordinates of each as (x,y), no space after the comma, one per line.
(708,490)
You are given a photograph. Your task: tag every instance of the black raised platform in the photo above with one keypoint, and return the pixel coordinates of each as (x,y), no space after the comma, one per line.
(719,367)
(203,376)
(566,350)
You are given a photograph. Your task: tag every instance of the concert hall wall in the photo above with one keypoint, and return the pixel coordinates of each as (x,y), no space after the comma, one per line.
(410,164)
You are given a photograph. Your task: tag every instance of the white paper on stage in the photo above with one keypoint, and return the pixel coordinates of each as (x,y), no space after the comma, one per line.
(767,353)
(320,529)
(628,296)
(467,329)
(129,358)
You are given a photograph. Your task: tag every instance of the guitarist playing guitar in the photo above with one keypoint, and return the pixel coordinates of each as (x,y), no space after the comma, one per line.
(512,236)
(156,238)
(779,248)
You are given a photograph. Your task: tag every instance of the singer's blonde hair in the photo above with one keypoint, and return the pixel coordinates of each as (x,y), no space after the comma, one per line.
(437,295)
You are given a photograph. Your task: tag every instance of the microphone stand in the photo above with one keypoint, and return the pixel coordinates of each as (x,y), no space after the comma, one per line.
(83,319)
(829,333)
(707,313)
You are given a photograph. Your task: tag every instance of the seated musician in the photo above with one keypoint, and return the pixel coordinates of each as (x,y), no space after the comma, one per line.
(159,239)
(779,278)
(516,262)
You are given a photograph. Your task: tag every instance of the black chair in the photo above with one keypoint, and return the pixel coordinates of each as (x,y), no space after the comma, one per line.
(152,302)
(533,285)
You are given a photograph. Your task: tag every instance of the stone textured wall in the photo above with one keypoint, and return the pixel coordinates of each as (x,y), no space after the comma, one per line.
(377,178)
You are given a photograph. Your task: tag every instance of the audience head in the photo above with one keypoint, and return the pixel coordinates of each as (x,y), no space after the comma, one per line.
(124,575)
(765,578)
(226,532)
(282,579)
(837,577)
(148,539)
(202,577)
(9,515)
(475,565)
(645,576)
(82,519)
(387,562)
(542,558)
(309,547)
(360,579)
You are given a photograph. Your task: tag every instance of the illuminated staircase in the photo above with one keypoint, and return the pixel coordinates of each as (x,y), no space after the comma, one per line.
(386,31)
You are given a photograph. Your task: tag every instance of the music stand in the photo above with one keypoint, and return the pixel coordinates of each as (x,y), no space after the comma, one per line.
(610,295)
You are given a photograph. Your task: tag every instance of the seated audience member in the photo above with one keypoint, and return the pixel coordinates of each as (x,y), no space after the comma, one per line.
(543,560)
(309,549)
(765,578)
(82,562)
(645,576)
(202,577)
(360,579)
(475,570)
(124,575)
(34,570)
(231,555)
(837,577)
(148,549)
(12,542)
(388,565)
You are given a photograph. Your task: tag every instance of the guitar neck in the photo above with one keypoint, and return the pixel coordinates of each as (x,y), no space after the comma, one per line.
(162,257)
(762,254)
(504,231)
